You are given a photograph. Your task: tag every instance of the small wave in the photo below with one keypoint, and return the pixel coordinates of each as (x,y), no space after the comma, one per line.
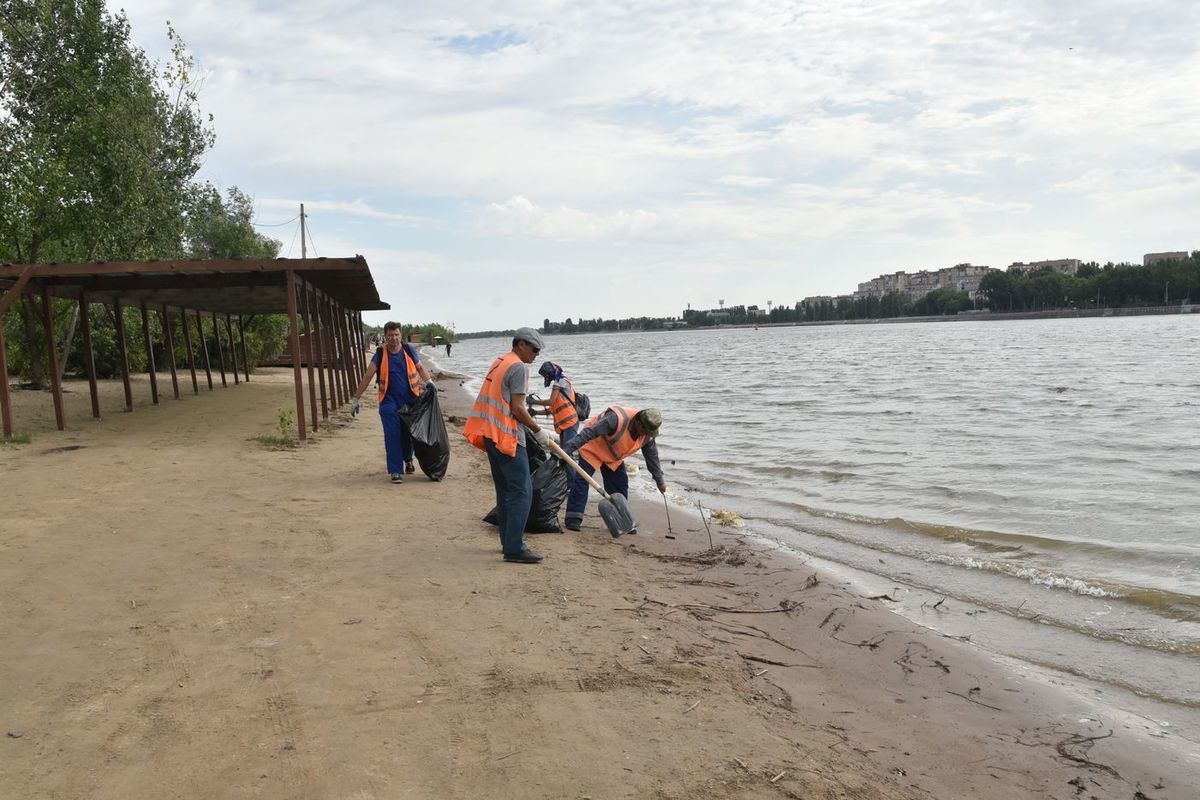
(1034,576)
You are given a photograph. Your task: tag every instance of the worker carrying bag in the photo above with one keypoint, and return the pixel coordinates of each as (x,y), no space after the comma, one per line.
(431,443)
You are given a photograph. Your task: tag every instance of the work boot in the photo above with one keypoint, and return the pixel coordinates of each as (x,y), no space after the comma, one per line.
(526,556)
(396,477)
(408,467)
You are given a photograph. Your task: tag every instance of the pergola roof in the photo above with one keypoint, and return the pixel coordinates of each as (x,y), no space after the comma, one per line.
(230,286)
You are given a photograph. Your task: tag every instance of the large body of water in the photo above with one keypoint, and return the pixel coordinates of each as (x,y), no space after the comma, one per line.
(1044,474)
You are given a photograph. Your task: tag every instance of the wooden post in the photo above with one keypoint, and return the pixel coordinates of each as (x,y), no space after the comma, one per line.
(187,341)
(232,350)
(345,360)
(6,300)
(52,357)
(89,358)
(295,342)
(5,400)
(220,349)
(331,354)
(245,358)
(319,334)
(149,354)
(362,351)
(123,350)
(204,349)
(310,334)
(170,343)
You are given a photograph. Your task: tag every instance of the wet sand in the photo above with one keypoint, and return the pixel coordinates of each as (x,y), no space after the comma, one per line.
(189,614)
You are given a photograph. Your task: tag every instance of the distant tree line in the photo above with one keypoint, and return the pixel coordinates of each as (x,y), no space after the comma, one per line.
(99,148)
(1095,286)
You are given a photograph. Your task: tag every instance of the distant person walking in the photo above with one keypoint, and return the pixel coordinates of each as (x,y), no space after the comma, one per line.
(561,405)
(448,343)
(400,374)
(604,444)
(494,426)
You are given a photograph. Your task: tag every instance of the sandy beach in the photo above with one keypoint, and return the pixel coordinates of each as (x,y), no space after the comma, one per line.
(187,613)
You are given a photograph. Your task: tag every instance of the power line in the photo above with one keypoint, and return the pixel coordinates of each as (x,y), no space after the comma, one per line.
(275,224)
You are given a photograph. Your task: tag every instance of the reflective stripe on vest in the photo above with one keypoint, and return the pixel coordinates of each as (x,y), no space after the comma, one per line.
(563,407)
(414,382)
(610,451)
(491,417)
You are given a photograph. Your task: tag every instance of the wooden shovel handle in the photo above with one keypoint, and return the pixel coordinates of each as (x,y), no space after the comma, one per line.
(583,473)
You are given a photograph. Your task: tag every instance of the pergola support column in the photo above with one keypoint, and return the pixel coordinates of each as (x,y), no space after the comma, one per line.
(52,357)
(245,358)
(150,367)
(204,350)
(318,335)
(169,336)
(232,350)
(89,358)
(294,336)
(187,342)
(310,334)
(220,349)
(123,351)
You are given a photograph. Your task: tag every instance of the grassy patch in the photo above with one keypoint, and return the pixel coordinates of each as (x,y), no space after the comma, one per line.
(275,442)
(17,438)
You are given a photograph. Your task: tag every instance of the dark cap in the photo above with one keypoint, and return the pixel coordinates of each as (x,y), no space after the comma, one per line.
(649,420)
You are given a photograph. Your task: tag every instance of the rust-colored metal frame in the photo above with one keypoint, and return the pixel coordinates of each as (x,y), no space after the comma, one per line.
(323,297)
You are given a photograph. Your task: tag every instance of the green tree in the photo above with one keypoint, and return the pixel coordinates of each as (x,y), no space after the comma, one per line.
(97,149)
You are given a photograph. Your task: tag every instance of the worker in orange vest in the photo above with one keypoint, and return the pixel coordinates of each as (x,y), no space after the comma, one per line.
(561,405)
(604,444)
(494,426)
(400,374)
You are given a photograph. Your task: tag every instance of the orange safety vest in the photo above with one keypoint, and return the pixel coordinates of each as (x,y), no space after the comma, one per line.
(414,379)
(610,451)
(563,408)
(491,417)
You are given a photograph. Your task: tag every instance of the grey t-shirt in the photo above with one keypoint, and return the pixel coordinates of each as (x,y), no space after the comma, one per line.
(516,381)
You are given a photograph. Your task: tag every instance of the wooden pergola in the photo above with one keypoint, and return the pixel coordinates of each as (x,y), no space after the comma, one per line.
(324,297)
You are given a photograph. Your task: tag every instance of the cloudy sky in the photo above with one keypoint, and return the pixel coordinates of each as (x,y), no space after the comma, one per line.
(500,163)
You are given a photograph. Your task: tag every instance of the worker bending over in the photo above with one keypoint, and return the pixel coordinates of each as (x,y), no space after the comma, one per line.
(604,444)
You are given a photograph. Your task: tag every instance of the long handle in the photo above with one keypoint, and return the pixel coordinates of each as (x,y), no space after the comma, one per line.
(582,472)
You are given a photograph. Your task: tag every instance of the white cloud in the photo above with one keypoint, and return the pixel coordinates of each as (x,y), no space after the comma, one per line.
(787,147)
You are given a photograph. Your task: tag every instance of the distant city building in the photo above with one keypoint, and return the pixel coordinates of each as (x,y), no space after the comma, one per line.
(1152,258)
(914,285)
(818,299)
(1067,266)
(755,311)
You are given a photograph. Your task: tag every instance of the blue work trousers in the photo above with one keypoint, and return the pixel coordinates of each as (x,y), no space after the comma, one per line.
(397,441)
(616,481)
(514,496)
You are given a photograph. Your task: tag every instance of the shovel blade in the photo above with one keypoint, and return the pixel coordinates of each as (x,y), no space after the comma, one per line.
(617,515)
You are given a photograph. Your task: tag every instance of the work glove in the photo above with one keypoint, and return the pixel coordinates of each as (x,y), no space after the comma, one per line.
(431,386)
(355,407)
(542,437)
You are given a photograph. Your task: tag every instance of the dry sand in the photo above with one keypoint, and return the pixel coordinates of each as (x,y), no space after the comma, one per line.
(186,613)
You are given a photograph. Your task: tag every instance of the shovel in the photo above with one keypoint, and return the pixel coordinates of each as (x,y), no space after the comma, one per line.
(614,508)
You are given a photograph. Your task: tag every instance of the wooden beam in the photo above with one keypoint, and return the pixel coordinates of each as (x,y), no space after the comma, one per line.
(196,266)
(123,351)
(187,341)
(169,336)
(149,355)
(295,342)
(52,357)
(245,358)
(319,335)
(5,400)
(89,358)
(14,291)
(232,350)
(204,349)
(310,333)
(220,349)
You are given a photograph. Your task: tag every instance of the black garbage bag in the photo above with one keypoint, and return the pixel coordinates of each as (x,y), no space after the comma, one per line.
(551,481)
(431,443)
(537,453)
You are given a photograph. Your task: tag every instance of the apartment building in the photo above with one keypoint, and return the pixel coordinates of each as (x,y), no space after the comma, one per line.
(1066,266)
(1151,258)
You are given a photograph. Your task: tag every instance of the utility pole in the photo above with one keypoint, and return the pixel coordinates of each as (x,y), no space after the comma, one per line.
(303,248)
